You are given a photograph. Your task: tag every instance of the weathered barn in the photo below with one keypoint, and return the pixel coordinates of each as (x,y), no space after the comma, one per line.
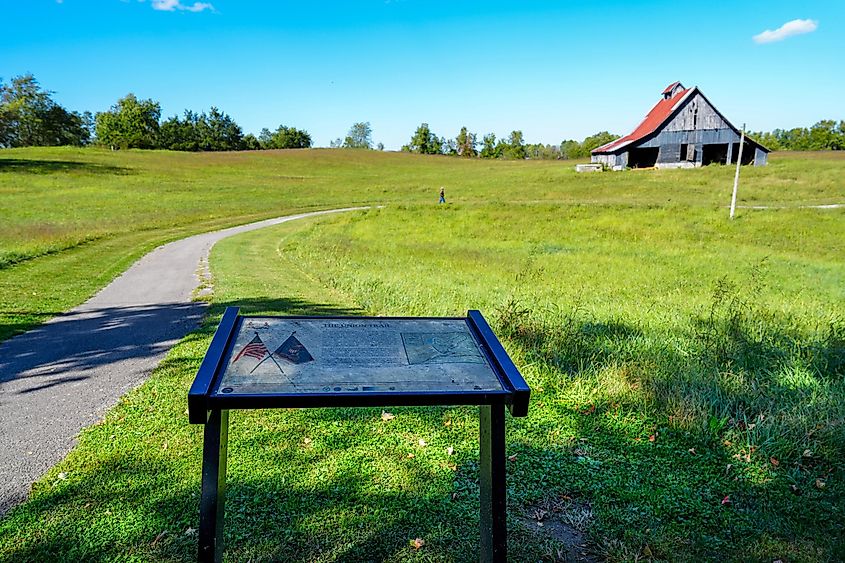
(682,130)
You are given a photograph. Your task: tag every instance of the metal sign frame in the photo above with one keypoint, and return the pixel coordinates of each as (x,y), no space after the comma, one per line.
(212,409)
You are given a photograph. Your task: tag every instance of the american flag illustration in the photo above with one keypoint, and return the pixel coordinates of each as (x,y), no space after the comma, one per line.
(254,349)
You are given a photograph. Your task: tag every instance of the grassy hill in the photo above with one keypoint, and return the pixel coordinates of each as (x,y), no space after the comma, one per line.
(688,371)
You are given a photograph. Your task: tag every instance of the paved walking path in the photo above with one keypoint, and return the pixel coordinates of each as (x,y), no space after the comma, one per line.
(64,375)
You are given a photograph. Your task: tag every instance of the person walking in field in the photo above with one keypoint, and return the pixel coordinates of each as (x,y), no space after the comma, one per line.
(442,195)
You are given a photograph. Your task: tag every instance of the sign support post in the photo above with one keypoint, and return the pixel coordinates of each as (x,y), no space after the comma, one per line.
(213,498)
(492,486)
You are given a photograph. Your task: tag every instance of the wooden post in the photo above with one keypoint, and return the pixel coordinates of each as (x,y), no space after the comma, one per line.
(213,499)
(736,177)
(493,492)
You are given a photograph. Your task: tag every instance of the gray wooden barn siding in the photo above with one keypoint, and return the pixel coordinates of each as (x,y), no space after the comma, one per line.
(697,113)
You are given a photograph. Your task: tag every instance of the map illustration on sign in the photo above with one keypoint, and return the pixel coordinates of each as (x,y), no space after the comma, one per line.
(312,355)
(441,348)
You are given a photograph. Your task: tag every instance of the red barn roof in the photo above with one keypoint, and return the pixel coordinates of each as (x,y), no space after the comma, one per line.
(658,115)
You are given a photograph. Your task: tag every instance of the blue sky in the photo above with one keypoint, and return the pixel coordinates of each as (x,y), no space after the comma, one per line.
(554,70)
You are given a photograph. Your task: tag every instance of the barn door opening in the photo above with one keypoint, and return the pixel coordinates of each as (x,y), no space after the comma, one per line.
(643,157)
(714,154)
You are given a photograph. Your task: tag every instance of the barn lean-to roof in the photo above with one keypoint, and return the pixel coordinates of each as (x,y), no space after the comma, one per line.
(660,114)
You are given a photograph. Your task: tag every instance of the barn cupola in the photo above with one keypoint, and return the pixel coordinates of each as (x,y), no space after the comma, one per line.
(672,89)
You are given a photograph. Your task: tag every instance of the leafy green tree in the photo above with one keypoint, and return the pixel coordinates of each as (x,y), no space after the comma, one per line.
(218,132)
(515,147)
(597,140)
(465,144)
(424,141)
(215,131)
(180,134)
(250,143)
(360,136)
(30,117)
(7,132)
(130,123)
(570,149)
(489,147)
(573,149)
(265,137)
(289,138)
(540,151)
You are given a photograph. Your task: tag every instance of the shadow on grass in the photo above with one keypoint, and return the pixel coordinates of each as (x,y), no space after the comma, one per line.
(32,166)
(144,504)
(677,433)
(284,306)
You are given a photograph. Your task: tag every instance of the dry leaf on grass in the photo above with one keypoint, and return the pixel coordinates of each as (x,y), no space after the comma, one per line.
(385,416)
(512,457)
(418,543)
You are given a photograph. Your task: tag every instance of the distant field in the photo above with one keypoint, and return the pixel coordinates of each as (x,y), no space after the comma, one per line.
(688,371)
(72,219)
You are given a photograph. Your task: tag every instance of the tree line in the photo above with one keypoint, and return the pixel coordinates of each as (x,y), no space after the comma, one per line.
(136,124)
(30,117)
(466,144)
(827,134)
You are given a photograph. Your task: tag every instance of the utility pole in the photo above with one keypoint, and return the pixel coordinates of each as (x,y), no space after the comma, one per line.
(736,177)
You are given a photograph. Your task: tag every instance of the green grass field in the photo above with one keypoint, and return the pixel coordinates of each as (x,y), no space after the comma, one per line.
(688,372)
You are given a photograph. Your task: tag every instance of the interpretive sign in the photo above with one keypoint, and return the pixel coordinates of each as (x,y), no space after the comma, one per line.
(286,362)
(278,355)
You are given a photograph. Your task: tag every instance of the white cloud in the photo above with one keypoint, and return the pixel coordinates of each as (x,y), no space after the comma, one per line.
(794,27)
(173,5)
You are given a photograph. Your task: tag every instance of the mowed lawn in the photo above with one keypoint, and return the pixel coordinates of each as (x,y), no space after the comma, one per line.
(688,371)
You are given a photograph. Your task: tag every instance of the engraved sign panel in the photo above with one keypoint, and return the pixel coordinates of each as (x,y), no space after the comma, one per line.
(291,356)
